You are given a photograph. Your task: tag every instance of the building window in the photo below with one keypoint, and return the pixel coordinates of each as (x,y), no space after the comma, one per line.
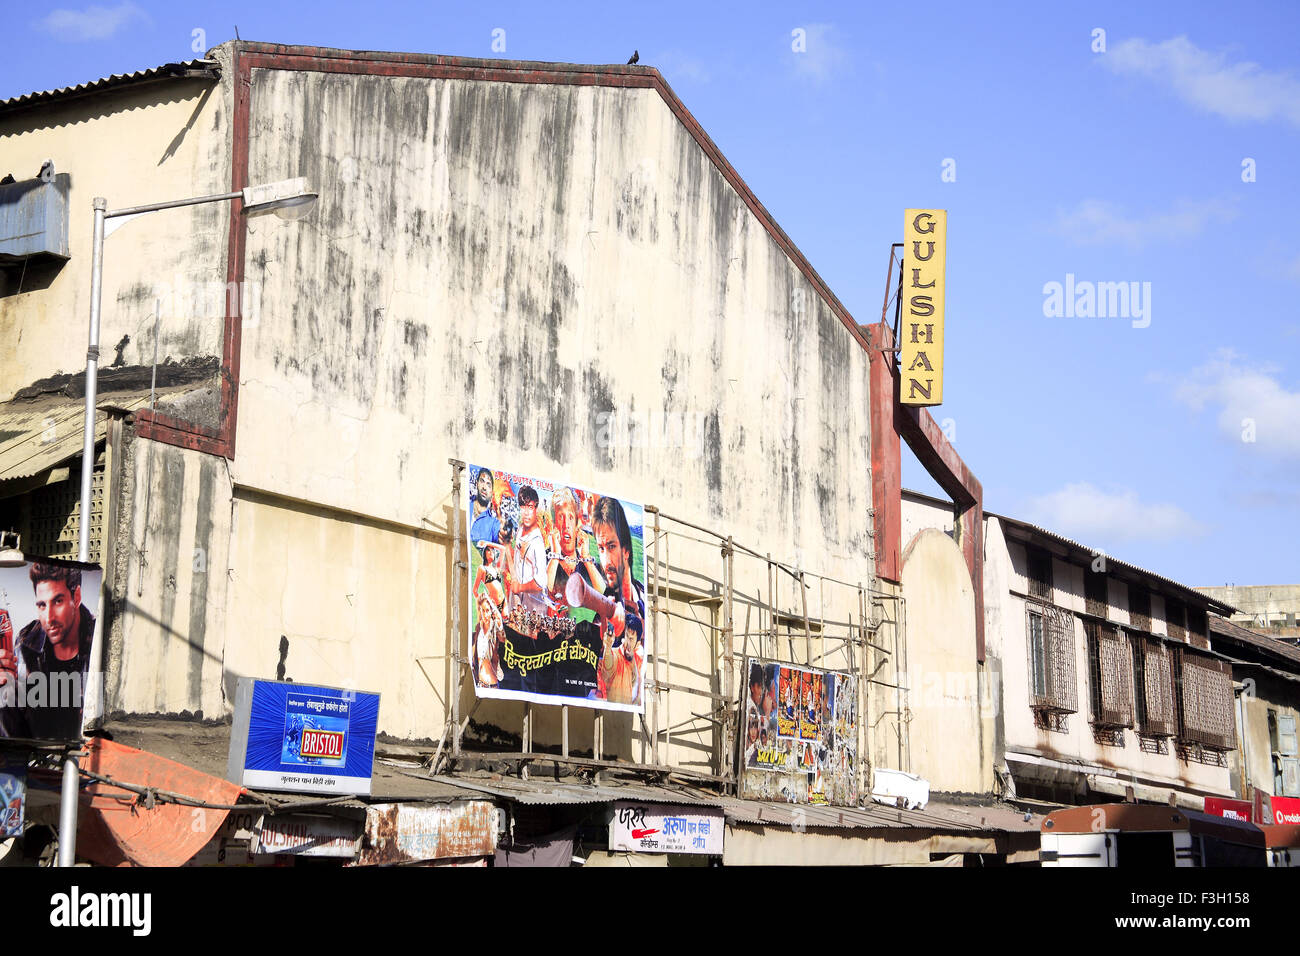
(1205,702)
(1110,676)
(1096,593)
(1051,660)
(1038,568)
(1153,686)
(1175,620)
(1286,763)
(1139,608)
(1198,626)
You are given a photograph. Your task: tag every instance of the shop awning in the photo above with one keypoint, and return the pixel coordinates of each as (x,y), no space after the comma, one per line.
(38,436)
(118,826)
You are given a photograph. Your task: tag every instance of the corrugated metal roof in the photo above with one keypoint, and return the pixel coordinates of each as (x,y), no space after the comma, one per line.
(36,436)
(1201,600)
(187,69)
(1220,627)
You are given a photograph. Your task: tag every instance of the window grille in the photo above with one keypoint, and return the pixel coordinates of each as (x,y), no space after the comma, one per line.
(1153,745)
(1110,673)
(1096,593)
(1154,688)
(1206,703)
(1039,571)
(1057,723)
(1051,659)
(50,518)
(1175,620)
(1108,736)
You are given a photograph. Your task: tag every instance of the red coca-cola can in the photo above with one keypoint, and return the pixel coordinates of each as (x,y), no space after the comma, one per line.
(6,633)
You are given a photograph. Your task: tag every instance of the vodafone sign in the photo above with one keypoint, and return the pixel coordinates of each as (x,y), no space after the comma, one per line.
(1286,810)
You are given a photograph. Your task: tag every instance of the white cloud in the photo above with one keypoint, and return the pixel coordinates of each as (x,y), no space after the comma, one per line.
(1092,515)
(1293,268)
(1254,408)
(1096,221)
(817,54)
(92,23)
(676,66)
(1235,91)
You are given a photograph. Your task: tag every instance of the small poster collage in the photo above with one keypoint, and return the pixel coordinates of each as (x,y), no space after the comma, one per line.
(799,733)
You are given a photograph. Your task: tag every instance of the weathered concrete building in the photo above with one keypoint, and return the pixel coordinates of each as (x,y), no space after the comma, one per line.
(1266,673)
(1272,609)
(1108,686)
(542,264)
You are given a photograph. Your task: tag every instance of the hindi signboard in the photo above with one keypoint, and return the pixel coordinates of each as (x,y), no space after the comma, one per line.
(659,828)
(556,592)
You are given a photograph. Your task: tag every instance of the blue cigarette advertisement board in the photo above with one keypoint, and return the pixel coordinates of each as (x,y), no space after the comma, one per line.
(305,739)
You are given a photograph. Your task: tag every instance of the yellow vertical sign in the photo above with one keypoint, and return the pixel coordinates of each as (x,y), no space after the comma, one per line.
(925,253)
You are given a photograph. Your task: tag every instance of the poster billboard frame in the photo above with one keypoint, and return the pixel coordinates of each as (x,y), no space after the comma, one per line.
(638,707)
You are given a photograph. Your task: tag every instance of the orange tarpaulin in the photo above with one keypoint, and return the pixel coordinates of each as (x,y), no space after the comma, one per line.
(114,826)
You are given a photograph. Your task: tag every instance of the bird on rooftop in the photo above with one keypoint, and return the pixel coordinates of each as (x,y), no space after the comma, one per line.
(636,55)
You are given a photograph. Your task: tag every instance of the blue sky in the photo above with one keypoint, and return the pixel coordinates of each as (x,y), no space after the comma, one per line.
(1169,157)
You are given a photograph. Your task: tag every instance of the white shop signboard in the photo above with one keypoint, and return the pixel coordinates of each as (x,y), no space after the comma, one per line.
(661,828)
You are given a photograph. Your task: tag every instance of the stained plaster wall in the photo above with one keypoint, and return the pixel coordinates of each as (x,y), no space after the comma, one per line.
(132,145)
(492,271)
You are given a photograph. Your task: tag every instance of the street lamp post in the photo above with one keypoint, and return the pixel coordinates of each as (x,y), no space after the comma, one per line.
(290,199)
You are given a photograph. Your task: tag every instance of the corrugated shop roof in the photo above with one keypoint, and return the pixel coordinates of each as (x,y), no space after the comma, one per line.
(187,69)
(38,435)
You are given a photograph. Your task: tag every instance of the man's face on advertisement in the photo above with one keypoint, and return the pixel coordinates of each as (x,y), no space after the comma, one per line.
(566,522)
(528,514)
(613,560)
(483,487)
(59,613)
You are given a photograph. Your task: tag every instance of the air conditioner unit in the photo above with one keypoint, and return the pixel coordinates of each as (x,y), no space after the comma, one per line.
(34,218)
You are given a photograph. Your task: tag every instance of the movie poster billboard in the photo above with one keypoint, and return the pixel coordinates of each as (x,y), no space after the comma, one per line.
(556,592)
(800,734)
(47,624)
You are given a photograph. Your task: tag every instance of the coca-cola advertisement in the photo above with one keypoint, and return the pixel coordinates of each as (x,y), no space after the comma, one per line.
(47,624)
(556,592)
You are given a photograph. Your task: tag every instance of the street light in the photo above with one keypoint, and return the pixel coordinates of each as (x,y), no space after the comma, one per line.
(289,199)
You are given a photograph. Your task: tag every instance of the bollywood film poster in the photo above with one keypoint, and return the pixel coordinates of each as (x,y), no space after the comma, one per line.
(47,626)
(799,734)
(556,592)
